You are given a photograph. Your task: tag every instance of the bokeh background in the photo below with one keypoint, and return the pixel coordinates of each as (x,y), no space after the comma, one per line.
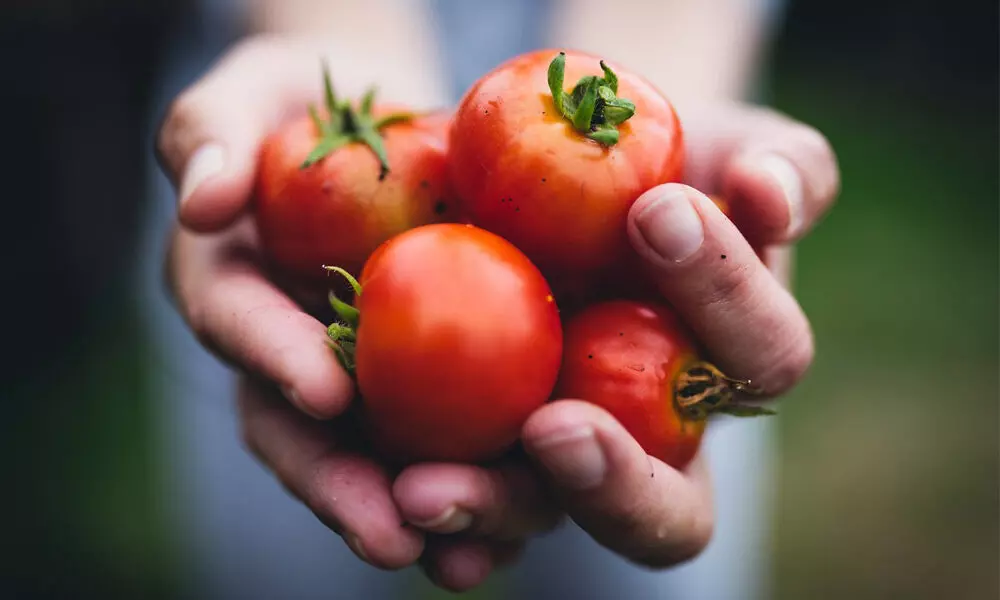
(889,454)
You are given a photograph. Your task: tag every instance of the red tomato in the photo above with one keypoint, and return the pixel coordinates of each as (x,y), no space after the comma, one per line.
(638,362)
(561,194)
(459,340)
(339,209)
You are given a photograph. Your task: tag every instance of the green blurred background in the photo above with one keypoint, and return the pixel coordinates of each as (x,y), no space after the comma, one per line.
(889,450)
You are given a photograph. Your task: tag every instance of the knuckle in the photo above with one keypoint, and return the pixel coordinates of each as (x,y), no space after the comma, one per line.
(315,492)
(324,480)
(730,285)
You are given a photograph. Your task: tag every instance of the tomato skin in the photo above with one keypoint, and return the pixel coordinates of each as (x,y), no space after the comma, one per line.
(336,212)
(522,171)
(625,356)
(459,341)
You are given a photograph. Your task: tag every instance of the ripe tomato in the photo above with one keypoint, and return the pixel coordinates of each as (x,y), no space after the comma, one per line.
(458,341)
(638,362)
(371,174)
(559,192)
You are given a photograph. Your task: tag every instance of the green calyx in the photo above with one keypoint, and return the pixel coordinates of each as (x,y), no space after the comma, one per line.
(593,107)
(346,125)
(342,334)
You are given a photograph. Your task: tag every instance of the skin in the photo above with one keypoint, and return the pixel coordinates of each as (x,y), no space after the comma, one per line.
(338,211)
(459,343)
(525,173)
(625,357)
(752,328)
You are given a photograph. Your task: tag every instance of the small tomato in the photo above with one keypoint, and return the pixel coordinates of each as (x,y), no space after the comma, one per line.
(639,363)
(457,341)
(556,172)
(330,191)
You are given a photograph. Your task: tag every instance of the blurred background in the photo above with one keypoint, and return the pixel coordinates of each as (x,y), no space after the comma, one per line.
(889,455)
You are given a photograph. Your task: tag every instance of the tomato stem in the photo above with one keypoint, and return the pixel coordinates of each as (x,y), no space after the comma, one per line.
(342,334)
(347,125)
(702,389)
(593,107)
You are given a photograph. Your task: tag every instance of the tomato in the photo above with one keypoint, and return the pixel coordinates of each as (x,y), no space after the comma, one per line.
(561,194)
(637,361)
(458,341)
(348,200)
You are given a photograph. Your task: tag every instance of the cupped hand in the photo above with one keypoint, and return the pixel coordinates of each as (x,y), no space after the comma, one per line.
(779,177)
(294,399)
(461,521)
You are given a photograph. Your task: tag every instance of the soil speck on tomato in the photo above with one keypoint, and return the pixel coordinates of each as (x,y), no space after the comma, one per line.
(424,184)
(638,368)
(722,256)
(590,356)
(440,207)
(543,180)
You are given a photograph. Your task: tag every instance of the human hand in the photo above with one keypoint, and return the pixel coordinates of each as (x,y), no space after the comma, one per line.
(780,177)
(207,145)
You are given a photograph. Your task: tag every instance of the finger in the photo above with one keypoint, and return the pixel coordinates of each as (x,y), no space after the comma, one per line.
(346,490)
(241,316)
(780,176)
(207,143)
(751,325)
(459,565)
(506,503)
(626,500)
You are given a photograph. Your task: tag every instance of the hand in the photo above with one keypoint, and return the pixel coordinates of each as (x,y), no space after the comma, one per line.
(780,177)
(293,395)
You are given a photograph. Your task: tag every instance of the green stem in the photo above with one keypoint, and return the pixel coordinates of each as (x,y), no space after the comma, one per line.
(593,106)
(347,125)
(342,334)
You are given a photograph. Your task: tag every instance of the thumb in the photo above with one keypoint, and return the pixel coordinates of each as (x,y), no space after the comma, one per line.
(626,500)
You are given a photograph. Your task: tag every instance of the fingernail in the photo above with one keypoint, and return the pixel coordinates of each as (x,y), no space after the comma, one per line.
(574,458)
(671,226)
(207,161)
(784,172)
(452,520)
(354,543)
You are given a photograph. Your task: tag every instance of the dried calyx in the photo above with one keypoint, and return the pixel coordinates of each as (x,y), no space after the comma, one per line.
(593,106)
(702,389)
(346,124)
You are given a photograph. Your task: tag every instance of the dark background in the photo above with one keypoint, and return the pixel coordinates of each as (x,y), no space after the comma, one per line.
(889,450)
